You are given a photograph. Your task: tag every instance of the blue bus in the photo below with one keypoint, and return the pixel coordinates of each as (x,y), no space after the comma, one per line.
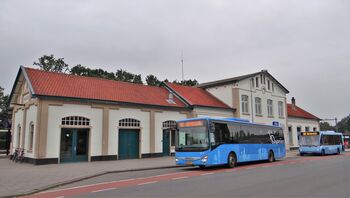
(321,142)
(207,142)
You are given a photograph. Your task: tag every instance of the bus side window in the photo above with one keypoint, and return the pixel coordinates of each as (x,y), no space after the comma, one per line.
(234,133)
(222,133)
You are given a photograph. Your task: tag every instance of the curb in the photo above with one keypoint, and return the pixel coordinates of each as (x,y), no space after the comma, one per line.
(95,175)
(84,178)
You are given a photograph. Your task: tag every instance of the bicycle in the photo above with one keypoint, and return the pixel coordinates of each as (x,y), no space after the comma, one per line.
(15,155)
(21,156)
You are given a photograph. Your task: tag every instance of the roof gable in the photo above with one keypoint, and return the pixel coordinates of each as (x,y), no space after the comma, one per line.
(239,78)
(195,96)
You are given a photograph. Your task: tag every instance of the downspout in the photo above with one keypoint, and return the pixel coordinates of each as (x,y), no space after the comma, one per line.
(251,98)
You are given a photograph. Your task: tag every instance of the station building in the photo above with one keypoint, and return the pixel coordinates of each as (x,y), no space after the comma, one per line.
(300,120)
(67,118)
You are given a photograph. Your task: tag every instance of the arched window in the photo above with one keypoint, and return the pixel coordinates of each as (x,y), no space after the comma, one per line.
(31,136)
(169,124)
(258,106)
(129,122)
(75,121)
(19,128)
(245,104)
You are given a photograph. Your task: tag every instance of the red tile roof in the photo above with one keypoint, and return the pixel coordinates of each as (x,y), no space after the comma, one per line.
(64,85)
(299,112)
(197,96)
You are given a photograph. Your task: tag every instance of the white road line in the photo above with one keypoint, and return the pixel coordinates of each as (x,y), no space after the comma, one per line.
(103,190)
(176,178)
(152,182)
(60,197)
(207,174)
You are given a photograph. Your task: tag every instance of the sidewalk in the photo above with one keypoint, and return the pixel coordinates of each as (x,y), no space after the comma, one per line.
(17,179)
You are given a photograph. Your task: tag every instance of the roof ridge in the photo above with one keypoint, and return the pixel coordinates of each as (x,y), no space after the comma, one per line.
(88,77)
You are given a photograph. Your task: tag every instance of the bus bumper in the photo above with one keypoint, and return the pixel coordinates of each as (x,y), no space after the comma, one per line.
(306,150)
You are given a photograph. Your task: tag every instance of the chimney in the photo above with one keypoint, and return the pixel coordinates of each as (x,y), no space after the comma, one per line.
(293,102)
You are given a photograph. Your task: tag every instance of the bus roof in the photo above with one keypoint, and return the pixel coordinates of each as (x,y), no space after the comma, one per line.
(235,120)
(330,133)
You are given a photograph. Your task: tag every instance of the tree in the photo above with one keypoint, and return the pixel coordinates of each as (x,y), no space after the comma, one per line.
(189,82)
(50,63)
(344,125)
(152,80)
(325,126)
(4,109)
(122,75)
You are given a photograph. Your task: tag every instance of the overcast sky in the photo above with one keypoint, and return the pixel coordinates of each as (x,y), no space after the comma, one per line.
(304,44)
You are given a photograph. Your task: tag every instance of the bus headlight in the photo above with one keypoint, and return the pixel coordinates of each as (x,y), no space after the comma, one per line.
(204,159)
(176,159)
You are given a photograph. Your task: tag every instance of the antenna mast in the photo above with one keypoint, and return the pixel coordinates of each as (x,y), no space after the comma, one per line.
(182,63)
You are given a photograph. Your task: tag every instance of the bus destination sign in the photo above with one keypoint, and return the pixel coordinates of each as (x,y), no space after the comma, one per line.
(309,133)
(196,123)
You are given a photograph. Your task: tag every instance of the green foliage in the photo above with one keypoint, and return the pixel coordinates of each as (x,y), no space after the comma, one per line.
(189,82)
(344,125)
(122,75)
(325,126)
(4,109)
(50,63)
(152,80)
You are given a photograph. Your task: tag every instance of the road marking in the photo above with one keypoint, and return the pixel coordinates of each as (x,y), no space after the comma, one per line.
(152,182)
(60,197)
(96,191)
(176,178)
(207,174)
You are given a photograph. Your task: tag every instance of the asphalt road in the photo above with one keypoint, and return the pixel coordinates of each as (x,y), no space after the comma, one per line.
(309,176)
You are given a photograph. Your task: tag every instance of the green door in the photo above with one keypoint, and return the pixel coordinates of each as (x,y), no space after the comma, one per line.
(128,144)
(74,145)
(166,142)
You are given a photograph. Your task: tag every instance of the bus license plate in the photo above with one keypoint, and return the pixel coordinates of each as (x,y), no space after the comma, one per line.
(189,163)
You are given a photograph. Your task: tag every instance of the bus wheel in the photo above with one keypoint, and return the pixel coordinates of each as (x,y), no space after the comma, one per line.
(322,152)
(301,154)
(231,160)
(271,156)
(201,166)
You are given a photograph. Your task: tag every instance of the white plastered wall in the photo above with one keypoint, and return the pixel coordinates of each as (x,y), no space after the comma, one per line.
(159,119)
(17,121)
(116,115)
(303,123)
(55,115)
(213,112)
(31,118)
(224,93)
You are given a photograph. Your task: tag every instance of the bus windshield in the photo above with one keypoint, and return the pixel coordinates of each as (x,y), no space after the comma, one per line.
(192,137)
(310,140)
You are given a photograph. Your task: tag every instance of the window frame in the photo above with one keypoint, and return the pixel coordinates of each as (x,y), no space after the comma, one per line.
(269,108)
(258,106)
(245,104)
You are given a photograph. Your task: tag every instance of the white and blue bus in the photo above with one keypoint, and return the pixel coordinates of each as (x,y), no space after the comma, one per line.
(207,142)
(321,142)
